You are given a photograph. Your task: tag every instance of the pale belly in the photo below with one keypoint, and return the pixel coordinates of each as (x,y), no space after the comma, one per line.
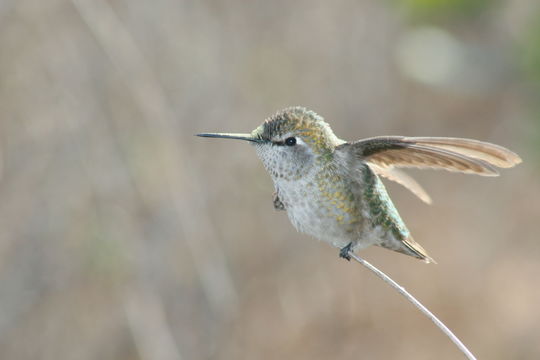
(331,216)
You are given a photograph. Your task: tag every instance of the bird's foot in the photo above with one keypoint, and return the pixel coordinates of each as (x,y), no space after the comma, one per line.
(344,252)
(278,205)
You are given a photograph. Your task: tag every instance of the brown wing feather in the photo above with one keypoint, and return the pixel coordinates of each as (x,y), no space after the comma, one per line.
(452,154)
(426,157)
(493,154)
(403,179)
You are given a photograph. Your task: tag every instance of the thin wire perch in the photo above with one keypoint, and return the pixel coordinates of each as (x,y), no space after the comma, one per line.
(416,303)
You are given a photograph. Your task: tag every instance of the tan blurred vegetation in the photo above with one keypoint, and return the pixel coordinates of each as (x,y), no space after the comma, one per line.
(122,236)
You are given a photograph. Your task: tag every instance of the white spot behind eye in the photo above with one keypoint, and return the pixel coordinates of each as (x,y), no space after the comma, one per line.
(299,140)
(284,138)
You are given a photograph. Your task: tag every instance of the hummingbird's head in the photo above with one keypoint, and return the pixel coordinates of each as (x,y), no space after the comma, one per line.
(290,142)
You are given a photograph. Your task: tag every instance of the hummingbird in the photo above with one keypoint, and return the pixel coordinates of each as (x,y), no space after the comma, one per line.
(331,189)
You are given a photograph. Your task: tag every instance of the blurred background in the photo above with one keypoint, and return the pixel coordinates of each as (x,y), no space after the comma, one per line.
(123,236)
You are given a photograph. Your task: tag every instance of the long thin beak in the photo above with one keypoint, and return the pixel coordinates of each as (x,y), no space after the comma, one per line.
(246,137)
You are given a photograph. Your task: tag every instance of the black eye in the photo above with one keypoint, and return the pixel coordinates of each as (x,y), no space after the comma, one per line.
(290,141)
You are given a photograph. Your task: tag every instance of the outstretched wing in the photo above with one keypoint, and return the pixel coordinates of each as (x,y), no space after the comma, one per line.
(452,154)
(403,179)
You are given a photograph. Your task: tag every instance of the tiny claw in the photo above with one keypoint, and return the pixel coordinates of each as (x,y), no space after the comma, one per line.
(278,205)
(344,252)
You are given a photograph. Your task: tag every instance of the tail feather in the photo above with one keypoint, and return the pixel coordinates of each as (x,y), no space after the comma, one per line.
(417,251)
(409,247)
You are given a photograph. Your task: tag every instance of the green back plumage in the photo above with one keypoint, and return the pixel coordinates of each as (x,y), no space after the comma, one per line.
(381,206)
